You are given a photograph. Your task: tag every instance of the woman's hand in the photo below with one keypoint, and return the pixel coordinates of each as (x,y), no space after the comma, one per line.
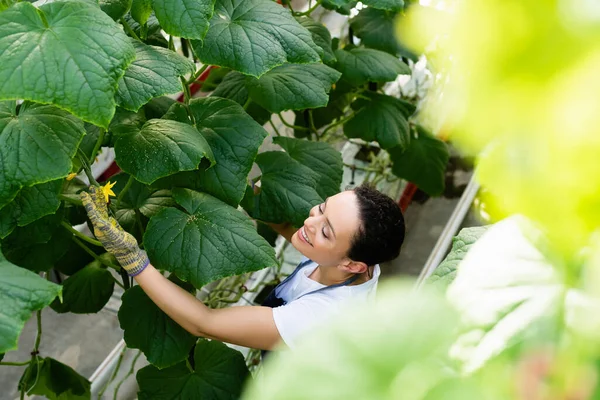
(114,239)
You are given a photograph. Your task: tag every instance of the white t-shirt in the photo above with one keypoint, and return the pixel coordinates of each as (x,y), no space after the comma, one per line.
(298,316)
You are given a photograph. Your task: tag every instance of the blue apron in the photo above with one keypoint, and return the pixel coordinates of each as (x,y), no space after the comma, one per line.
(273,301)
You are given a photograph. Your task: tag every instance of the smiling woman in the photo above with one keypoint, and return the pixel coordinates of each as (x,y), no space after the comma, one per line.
(343,240)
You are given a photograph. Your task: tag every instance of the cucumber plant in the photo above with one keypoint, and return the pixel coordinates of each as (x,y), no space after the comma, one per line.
(78,76)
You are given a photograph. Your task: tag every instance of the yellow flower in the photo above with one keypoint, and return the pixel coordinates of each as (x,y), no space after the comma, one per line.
(107,190)
(71,176)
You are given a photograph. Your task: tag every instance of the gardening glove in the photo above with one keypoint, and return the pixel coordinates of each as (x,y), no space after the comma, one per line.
(114,239)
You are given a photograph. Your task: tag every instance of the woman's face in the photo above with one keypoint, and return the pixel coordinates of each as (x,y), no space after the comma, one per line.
(328,231)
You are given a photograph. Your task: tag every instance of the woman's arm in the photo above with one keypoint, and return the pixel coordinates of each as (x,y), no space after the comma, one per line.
(250,326)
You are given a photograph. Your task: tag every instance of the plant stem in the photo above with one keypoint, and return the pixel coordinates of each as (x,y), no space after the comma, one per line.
(311,123)
(186,99)
(69,200)
(80,235)
(86,167)
(38,339)
(338,122)
(274,128)
(114,374)
(309,11)
(94,255)
(16,364)
(125,189)
(125,278)
(247,103)
(129,30)
(187,363)
(97,145)
(138,220)
(131,370)
(171,43)
(366,169)
(300,128)
(119,283)
(197,74)
(144,31)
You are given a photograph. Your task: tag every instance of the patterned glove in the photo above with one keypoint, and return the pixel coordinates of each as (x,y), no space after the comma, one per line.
(114,239)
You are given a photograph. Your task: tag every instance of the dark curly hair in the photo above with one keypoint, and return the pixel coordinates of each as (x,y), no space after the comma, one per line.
(381,233)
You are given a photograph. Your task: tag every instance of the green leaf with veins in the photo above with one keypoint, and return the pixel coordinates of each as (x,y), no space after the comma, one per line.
(155,72)
(254,36)
(321,158)
(30,204)
(148,328)
(138,198)
(360,66)
(184,18)
(141,10)
(159,148)
(382,118)
(208,240)
(115,8)
(39,257)
(75,258)
(287,190)
(423,162)
(321,36)
(376,30)
(234,139)
(88,290)
(36,145)
(219,374)
(445,273)
(152,25)
(233,87)
(43,380)
(293,87)
(388,5)
(214,78)
(21,293)
(67,53)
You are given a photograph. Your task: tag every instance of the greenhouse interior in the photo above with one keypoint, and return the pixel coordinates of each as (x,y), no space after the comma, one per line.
(299,199)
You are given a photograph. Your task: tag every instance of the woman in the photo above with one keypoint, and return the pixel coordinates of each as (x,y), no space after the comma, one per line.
(343,239)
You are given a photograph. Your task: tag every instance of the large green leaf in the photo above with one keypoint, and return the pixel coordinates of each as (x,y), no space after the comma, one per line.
(445,272)
(184,18)
(507,292)
(39,245)
(293,87)
(141,10)
(208,241)
(360,66)
(253,36)
(21,293)
(423,162)
(75,258)
(321,158)
(389,5)
(233,87)
(149,329)
(321,36)
(138,198)
(66,53)
(288,190)
(234,138)
(376,29)
(155,72)
(37,143)
(391,349)
(219,374)
(159,148)
(55,381)
(158,106)
(30,204)
(115,9)
(87,291)
(382,118)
